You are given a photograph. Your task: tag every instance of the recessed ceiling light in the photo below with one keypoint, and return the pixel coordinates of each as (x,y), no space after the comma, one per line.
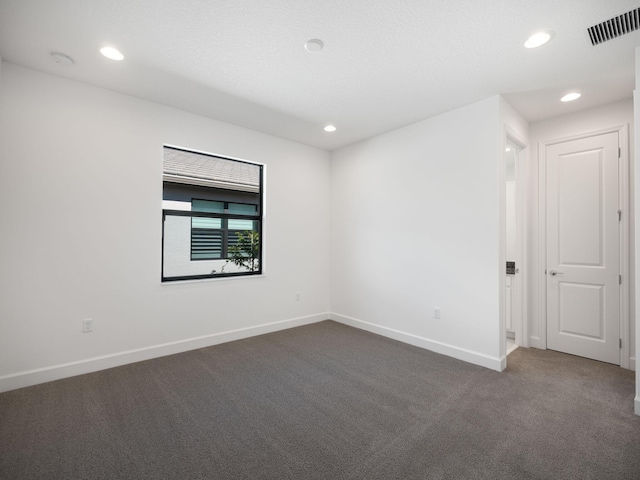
(569,97)
(112,53)
(62,59)
(329,128)
(314,45)
(538,39)
(508,149)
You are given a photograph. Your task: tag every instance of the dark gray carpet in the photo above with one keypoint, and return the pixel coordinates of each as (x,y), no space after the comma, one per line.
(326,401)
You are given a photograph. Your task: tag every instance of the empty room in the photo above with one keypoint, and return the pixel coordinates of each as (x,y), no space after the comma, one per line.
(319,240)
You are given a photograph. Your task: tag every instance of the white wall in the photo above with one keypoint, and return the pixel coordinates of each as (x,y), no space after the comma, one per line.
(591,120)
(511,219)
(80,212)
(636,203)
(415,224)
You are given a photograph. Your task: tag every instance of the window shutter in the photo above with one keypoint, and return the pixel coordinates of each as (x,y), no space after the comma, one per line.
(206,244)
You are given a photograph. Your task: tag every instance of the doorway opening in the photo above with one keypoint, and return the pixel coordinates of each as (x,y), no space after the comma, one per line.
(514,268)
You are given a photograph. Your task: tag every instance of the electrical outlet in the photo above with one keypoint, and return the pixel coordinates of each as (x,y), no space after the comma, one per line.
(87,325)
(436,312)
(297,296)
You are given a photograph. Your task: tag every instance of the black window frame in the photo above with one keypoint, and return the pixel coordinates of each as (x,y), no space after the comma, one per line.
(258,218)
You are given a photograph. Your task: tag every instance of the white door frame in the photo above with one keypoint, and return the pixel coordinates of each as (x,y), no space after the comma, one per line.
(623,201)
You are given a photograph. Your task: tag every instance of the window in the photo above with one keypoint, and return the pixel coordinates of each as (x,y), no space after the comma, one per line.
(212,216)
(212,237)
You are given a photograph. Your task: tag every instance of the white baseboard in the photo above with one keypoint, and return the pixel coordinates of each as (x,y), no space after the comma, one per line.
(494,363)
(632,363)
(56,372)
(637,405)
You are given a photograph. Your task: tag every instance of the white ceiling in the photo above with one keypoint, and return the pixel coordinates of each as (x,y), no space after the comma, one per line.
(386,63)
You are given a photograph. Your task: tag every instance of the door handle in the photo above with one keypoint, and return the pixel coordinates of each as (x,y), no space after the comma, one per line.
(553,273)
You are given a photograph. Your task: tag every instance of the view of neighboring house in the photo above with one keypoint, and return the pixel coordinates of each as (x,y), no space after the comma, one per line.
(225,194)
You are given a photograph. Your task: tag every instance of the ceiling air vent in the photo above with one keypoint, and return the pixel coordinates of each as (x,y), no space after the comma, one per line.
(615,27)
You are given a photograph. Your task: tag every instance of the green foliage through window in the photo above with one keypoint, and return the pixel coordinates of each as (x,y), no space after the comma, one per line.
(245,253)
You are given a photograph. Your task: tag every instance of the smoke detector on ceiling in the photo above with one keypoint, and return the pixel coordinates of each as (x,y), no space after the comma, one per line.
(615,27)
(314,45)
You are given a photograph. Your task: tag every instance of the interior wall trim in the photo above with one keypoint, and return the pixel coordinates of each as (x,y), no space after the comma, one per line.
(56,372)
(493,363)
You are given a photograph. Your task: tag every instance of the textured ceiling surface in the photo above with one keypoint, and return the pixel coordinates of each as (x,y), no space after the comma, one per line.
(386,63)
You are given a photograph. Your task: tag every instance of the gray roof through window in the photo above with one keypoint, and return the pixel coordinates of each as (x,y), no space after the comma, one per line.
(185,166)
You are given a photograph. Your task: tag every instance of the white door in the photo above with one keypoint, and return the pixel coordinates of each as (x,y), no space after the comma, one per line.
(583,257)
